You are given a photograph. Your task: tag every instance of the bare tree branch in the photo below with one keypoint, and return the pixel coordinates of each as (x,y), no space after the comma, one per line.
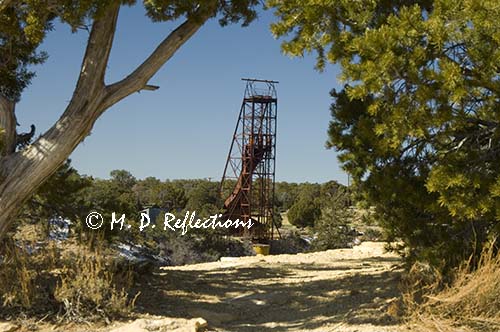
(139,78)
(151,87)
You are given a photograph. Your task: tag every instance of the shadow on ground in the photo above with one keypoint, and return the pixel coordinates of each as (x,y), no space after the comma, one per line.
(276,297)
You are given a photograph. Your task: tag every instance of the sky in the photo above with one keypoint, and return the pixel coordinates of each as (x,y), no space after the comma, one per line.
(184,129)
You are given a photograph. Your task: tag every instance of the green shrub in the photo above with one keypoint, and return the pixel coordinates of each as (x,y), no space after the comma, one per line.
(291,243)
(332,229)
(304,212)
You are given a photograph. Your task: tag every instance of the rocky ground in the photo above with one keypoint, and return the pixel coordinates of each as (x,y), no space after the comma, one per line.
(335,290)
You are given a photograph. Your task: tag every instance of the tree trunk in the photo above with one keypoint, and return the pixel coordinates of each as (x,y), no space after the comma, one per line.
(4,4)
(8,125)
(21,173)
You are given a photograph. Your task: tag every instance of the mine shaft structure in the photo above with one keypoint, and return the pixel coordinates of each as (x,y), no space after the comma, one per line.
(247,185)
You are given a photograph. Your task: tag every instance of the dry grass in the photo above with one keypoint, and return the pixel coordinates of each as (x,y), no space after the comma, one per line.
(91,287)
(470,303)
(74,285)
(21,276)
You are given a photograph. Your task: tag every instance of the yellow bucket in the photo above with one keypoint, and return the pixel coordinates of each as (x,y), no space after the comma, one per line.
(261,249)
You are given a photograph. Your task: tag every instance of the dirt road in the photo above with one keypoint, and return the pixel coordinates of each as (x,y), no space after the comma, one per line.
(348,290)
(336,290)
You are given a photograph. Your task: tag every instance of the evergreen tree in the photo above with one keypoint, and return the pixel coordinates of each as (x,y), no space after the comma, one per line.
(417,123)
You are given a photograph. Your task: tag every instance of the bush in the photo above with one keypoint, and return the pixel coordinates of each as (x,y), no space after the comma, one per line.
(202,247)
(25,281)
(43,280)
(92,287)
(291,243)
(372,234)
(332,229)
(471,302)
(304,212)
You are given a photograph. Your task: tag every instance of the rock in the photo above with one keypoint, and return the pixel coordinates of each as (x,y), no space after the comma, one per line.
(163,324)
(8,327)
(200,324)
(228,259)
(259,302)
(214,318)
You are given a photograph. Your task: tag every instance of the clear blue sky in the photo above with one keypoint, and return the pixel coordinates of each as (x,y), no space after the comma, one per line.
(183,130)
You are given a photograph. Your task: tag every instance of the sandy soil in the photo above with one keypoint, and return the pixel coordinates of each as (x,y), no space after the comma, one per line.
(337,290)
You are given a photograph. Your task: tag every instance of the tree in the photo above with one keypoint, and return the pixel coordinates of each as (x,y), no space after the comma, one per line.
(285,195)
(147,190)
(204,198)
(170,195)
(24,25)
(107,197)
(123,178)
(417,124)
(306,209)
(303,213)
(59,196)
(333,228)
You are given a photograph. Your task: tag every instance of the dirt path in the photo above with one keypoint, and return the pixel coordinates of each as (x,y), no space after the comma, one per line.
(336,290)
(348,290)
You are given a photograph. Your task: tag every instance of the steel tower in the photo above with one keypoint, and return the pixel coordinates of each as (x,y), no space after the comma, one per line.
(247,185)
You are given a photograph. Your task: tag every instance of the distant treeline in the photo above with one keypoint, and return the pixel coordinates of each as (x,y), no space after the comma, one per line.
(73,196)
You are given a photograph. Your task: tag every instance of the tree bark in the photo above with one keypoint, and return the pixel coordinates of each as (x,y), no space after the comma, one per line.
(21,173)
(8,125)
(4,4)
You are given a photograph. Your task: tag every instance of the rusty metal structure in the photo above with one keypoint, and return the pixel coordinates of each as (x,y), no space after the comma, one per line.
(247,185)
